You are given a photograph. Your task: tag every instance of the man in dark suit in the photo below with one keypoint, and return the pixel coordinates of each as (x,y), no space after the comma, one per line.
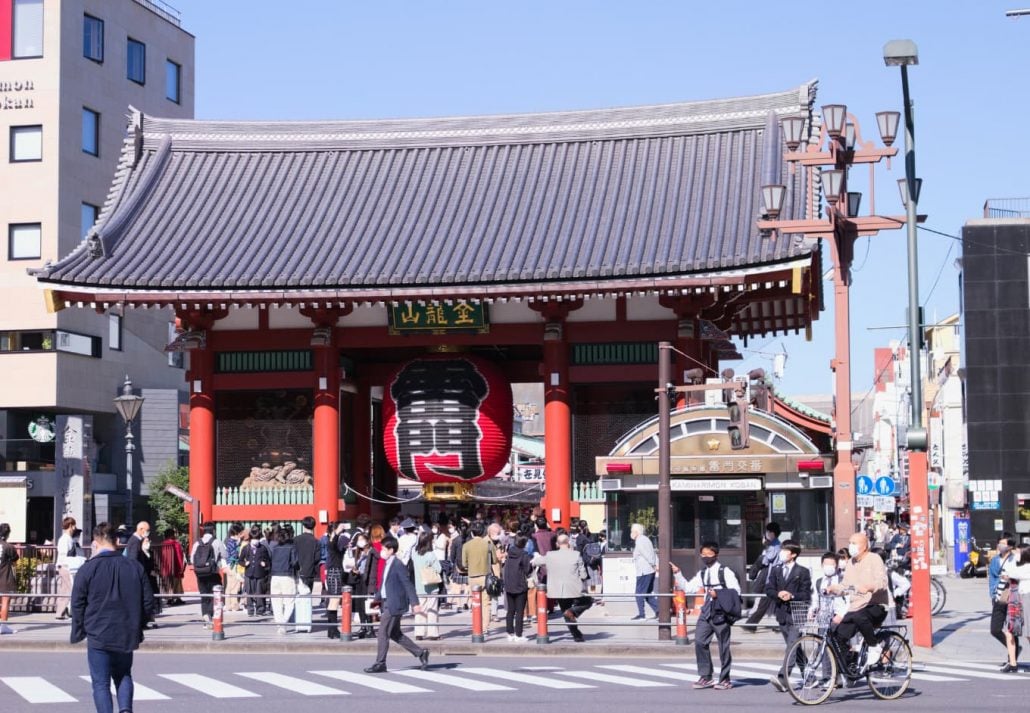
(309,554)
(788,582)
(395,595)
(137,547)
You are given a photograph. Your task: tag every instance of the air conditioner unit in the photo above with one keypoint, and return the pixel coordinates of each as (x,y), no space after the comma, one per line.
(610,484)
(820,481)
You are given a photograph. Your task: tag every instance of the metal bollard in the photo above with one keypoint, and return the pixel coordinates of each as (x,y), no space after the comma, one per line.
(217,631)
(346,613)
(477,615)
(541,615)
(679,601)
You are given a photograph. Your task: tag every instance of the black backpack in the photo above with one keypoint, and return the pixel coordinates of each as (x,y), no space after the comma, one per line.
(592,555)
(204,562)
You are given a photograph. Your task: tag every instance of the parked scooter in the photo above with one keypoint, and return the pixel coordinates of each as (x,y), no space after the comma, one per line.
(979,559)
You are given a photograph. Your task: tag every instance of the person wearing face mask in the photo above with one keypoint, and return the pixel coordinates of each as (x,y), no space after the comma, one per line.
(866,574)
(758,573)
(362,561)
(721,595)
(1000,609)
(788,582)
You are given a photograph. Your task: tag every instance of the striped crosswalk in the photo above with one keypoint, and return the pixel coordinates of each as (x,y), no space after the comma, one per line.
(58,688)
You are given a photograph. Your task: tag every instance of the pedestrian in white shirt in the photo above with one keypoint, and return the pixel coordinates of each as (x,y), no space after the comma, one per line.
(645,563)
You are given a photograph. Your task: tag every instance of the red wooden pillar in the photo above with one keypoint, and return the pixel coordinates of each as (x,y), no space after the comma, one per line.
(557,432)
(202,437)
(326,435)
(361,456)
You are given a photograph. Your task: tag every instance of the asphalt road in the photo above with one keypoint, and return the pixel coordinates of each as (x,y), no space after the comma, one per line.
(259,683)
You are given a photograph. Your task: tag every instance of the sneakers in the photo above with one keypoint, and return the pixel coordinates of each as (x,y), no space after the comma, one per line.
(703,683)
(872,657)
(280,630)
(723,685)
(5,629)
(779,684)
(638,617)
(519,639)
(511,637)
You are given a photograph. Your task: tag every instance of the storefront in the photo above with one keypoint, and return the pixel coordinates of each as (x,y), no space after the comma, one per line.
(719,494)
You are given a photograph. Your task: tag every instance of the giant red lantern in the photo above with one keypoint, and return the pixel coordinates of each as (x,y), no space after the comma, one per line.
(447,418)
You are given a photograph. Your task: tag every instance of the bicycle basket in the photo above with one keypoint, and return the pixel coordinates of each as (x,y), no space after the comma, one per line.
(807,616)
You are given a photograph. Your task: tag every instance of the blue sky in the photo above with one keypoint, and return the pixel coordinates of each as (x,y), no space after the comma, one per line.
(397,58)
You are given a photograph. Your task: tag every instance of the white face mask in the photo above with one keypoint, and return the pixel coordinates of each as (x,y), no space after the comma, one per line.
(361,544)
(436,530)
(853,549)
(829,570)
(784,556)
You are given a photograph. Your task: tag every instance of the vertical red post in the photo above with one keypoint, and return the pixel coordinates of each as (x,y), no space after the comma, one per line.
(6,29)
(326,436)
(919,522)
(541,615)
(477,615)
(557,433)
(346,613)
(202,438)
(679,601)
(217,628)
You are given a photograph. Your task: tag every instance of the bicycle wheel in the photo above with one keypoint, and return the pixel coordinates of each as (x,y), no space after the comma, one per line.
(938,595)
(810,683)
(889,678)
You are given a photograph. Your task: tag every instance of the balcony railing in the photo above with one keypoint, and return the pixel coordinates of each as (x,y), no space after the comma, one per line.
(1007,208)
(159,7)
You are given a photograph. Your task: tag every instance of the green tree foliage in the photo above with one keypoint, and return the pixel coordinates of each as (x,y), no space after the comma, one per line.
(168,509)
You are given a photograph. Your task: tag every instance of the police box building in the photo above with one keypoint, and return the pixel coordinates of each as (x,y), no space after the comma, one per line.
(357,297)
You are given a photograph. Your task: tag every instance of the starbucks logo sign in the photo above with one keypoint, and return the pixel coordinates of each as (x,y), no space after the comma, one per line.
(42,430)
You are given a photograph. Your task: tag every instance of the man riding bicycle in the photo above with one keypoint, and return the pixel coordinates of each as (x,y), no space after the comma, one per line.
(865,578)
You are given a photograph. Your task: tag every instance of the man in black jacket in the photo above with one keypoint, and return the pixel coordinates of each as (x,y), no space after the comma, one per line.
(137,547)
(309,555)
(111,601)
(788,582)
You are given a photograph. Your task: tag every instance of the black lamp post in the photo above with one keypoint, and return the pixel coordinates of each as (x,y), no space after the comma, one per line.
(128,405)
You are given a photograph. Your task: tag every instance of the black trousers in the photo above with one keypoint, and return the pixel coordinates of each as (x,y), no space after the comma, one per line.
(865,620)
(1000,612)
(206,585)
(255,587)
(704,631)
(577,606)
(390,630)
(514,611)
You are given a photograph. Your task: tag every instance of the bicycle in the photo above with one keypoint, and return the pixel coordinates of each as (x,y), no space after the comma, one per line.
(813,665)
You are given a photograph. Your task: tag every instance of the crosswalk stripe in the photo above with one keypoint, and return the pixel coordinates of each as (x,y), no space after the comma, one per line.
(516,677)
(770,667)
(295,685)
(643,671)
(960,670)
(139,692)
(36,689)
(383,684)
(448,680)
(607,678)
(208,686)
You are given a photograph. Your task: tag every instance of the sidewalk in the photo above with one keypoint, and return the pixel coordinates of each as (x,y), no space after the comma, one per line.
(961,633)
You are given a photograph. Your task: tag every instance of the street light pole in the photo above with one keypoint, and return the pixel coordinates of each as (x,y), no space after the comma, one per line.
(128,406)
(903,53)
(664,489)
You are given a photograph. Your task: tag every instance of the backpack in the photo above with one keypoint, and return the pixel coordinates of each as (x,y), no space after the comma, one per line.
(727,605)
(592,555)
(204,562)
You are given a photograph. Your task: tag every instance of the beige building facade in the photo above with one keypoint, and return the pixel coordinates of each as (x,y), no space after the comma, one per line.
(70,73)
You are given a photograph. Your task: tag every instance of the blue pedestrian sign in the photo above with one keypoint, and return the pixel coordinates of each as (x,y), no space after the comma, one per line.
(864,485)
(885,486)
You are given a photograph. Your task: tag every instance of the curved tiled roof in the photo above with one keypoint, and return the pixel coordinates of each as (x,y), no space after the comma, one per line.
(647,191)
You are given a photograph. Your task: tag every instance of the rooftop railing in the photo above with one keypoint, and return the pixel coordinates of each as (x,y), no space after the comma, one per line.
(159,7)
(1007,208)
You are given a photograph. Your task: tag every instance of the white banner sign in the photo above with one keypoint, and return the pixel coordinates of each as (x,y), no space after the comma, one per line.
(709,484)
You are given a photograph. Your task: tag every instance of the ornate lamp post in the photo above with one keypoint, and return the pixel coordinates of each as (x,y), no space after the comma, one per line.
(128,405)
(834,148)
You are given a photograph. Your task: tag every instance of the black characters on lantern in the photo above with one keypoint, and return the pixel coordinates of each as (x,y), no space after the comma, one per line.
(436,429)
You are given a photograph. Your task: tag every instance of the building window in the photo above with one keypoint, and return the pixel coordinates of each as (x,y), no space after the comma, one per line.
(90,132)
(92,38)
(114,332)
(28,29)
(136,62)
(24,241)
(173,80)
(26,143)
(88,217)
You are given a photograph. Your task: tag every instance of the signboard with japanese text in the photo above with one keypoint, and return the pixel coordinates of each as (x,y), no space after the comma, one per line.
(409,317)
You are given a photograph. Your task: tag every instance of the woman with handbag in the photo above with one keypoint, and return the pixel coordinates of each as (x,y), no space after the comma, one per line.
(517,569)
(427,570)
(334,557)
(1012,575)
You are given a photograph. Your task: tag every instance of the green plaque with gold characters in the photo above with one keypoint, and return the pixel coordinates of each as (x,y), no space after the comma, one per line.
(411,317)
